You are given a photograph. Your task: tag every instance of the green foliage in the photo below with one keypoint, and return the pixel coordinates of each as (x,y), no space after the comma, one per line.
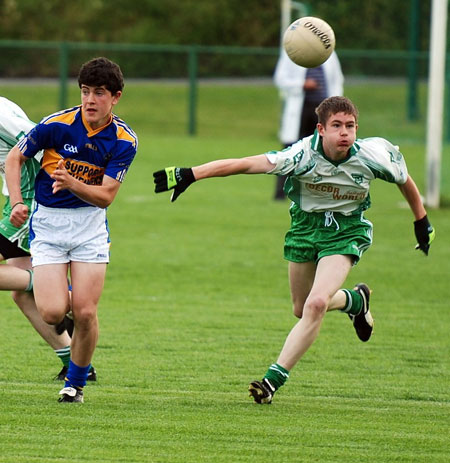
(378,24)
(93,26)
(222,22)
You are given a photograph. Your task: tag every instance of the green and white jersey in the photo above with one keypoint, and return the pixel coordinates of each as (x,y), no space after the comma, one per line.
(14,124)
(318,184)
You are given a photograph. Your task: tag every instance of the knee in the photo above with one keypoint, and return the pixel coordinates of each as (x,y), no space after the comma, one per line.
(51,316)
(316,306)
(84,317)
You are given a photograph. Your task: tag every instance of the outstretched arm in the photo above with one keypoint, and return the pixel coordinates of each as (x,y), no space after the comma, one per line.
(179,178)
(422,228)
(222,168)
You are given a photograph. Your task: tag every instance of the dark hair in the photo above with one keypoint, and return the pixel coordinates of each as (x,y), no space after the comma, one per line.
(333,105)
(101,71)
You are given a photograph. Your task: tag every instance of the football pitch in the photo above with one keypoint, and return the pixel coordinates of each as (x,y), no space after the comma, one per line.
(196,305)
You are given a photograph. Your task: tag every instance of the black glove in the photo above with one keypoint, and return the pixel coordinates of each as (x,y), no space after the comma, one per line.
(176,178)
(424,234)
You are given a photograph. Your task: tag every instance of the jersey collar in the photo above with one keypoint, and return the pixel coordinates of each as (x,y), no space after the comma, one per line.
(316,145)
(90,131)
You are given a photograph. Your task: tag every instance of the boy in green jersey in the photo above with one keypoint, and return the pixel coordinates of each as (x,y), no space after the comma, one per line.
(328,179)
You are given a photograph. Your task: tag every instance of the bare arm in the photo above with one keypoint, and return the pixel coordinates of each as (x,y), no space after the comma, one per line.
(97,195)
(13,167)
(179,178)
(412,195)
(258,164)
(423,230)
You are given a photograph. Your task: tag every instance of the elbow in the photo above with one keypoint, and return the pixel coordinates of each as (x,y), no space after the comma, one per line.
(104,200)
(107,200)
(103,204)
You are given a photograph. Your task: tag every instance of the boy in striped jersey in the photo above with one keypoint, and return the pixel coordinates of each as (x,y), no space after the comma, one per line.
(87,151)
(329,175)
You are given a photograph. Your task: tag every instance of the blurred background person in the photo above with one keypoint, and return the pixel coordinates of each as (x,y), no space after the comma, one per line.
(302,90)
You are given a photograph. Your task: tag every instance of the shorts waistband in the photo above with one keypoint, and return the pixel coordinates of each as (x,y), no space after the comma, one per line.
(68,210)
(323,214)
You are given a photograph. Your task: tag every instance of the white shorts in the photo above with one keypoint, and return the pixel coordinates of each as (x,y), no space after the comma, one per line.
(62,235)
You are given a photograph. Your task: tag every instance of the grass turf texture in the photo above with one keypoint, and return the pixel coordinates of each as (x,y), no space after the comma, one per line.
(196,305)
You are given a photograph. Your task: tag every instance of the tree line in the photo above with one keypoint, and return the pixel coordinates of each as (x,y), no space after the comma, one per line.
(378,24)
(374,25)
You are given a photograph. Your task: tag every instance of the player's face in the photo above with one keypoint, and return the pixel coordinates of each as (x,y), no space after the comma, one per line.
(338,135)
(97,104)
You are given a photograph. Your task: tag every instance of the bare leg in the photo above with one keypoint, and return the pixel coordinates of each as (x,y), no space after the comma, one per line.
(301,279)
(330,274)
(52,300)
(13,277)
(87,286)
(25,301)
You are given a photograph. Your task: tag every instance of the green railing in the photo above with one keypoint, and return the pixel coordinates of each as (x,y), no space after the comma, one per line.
(64,50)
(192,52)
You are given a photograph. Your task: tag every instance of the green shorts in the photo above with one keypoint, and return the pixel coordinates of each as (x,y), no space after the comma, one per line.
(314,235)
(18,236)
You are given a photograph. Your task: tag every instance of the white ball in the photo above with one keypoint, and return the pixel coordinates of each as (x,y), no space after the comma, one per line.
(309,41)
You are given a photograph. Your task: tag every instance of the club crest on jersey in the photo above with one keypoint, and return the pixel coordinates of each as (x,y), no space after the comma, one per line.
(358,178)
(298,156)
(90,146)
(395,159)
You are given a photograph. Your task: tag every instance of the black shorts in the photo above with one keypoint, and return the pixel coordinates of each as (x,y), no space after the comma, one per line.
(9,250)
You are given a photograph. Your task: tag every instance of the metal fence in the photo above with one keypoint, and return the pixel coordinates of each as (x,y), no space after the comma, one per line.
(61,60)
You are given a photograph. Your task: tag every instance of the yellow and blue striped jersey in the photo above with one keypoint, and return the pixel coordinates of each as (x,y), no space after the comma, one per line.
(88,154)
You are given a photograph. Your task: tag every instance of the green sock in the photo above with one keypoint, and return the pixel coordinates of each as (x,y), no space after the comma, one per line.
(353,302)
(64,355)
(276,375)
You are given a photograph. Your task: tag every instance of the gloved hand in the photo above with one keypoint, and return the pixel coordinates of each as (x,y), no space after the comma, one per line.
(176,178)
(425,234)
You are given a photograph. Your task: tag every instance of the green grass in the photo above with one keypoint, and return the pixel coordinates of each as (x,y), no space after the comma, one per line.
(245,110)
(196,305)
